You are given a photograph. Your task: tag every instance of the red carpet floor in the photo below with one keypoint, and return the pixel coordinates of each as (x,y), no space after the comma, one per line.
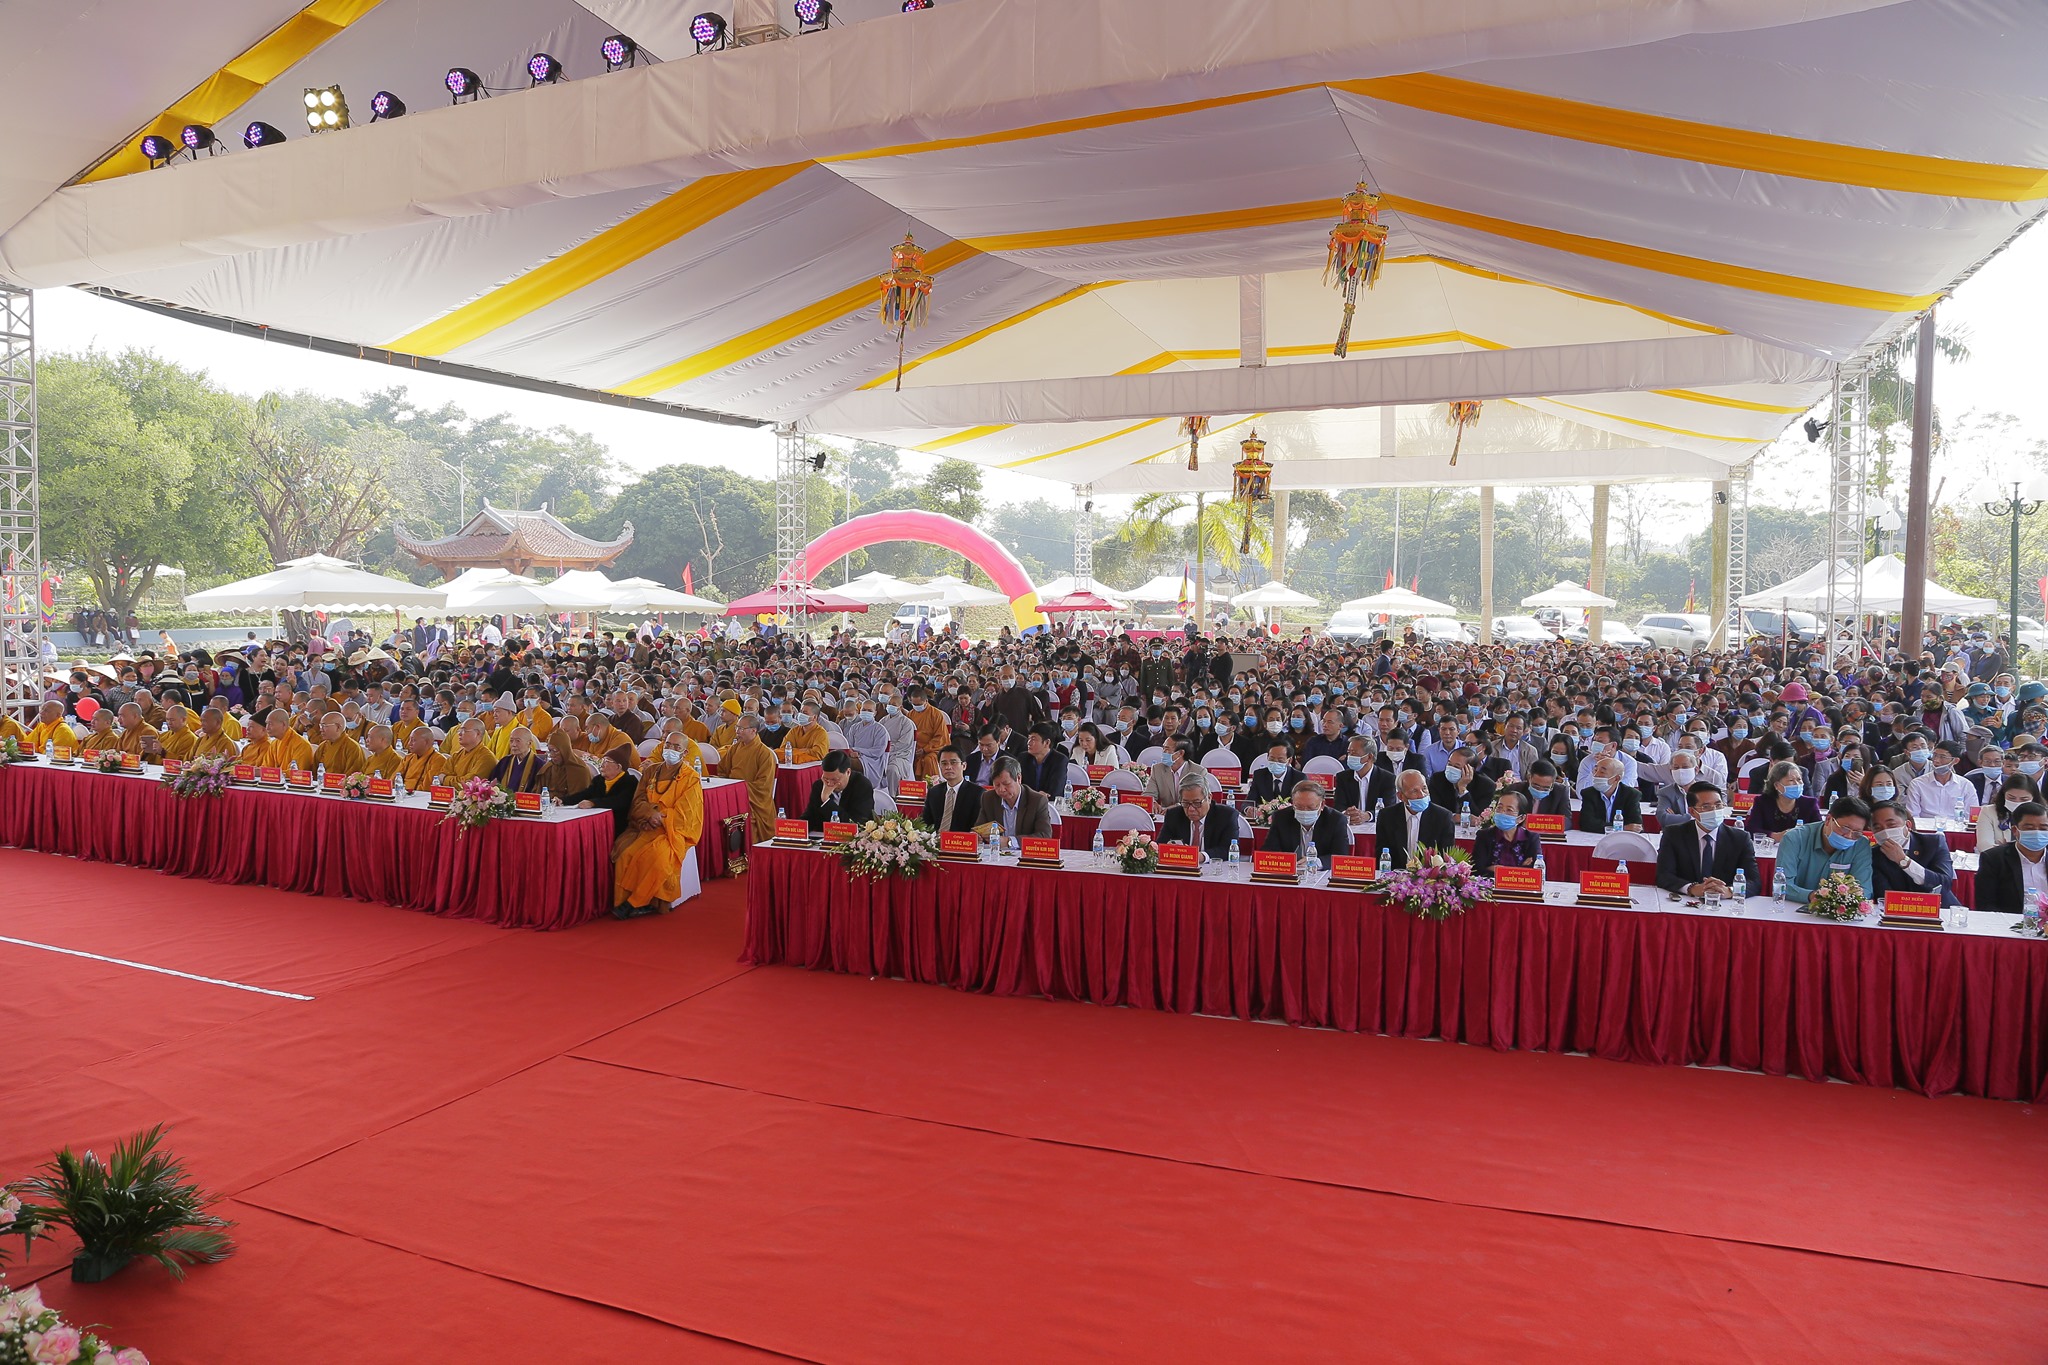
(617,1144)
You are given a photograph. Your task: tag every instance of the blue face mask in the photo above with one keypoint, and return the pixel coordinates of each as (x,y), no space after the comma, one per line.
(1842,843)
(1883,793)
(1792,791)
(1821,746)
(2030,766)
(1629,746)
(1250,719)
(1355,763)
(1738,731)
(1921,757)
(1503,822)
(1710,820)
(1298,722)
(1315,699)
(1418,804)
(2001,692)
(2033,839)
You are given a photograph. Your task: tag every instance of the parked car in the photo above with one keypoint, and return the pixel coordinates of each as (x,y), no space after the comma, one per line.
(1800,625)
(1442,630)
(1611,633)
(909,615)
(1677,630)
(2033,635)
(1520,630)
(1349,627)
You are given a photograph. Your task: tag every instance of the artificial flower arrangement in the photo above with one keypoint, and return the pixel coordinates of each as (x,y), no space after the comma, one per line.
(1838,897)
(212,775)
(1089,801)
(478,802)
(10,751)
(107,760)
(32,1331)
(890,846)
(1260,814)
(1434,885)
(1137,852)
(356,786)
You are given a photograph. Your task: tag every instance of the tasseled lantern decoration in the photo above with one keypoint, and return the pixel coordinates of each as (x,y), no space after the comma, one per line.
(1358,246)
(906,295)
(1194,428)
(1251,483)
(1461,414)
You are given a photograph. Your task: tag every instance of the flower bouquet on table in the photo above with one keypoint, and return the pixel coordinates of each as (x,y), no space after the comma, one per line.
(1434,885)
(356,786)
(1089,802)
(478,802)
(1260,814)
(1137,852)
(107,760)
(890,846)
(208,776)
(33,1332)
(11,751)
(1838,897)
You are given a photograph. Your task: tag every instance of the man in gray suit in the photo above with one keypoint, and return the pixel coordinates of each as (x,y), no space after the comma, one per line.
(1162,783)
(1014,809)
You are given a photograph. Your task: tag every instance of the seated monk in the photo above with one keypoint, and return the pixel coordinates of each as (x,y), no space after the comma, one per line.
(213,737)
(807,740)
(280,746)
(379,758)
(337,752)
(407,722)
(229,726)
(137,734)
(10,728)
(178,739)
(520,769)
(565,772)
(499,723)
(535,717)
(51,729)
(664,824)
(472,757)
(423,764)
(102,735)
(752,762)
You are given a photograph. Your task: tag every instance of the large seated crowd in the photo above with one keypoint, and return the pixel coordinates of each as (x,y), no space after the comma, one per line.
(1851,766)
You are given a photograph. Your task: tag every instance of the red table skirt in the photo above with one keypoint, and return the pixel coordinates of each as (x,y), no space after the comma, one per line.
(719,804)
(514,874)
(793,788)
(1928,1012)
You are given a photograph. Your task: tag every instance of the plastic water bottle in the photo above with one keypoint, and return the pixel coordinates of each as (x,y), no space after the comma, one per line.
(2034,915)
(1235,856)
(1095,845)
(1738,889)
(1621,866)
(1962,811)
(1386,862)
(1464,817)
(1542,870)
(1112,795)
(547,801)
(1778,884)
(1310,864)
(1614,819)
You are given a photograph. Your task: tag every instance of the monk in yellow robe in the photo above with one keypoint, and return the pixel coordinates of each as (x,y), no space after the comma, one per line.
(280,747)
(666,821)
(10,728)
(423,764)
(934,733)
(750,761)
(51,729)
(693,727)
(138,736)
(535,717)
(102,735)
(229,726)
(727,733)
(600,737)
(379,758)
(806,738)
(337,751)
(213,737)
(407,722)
(472,757)
(499,723)
(177,740)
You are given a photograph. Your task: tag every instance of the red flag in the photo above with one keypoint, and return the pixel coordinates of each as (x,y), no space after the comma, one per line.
(1390,578)
(689,579)
(1415,583)
(2044,592)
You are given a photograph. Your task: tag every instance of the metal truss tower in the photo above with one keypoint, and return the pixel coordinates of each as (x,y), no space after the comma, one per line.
(21,525)
(1848,499)
(792,518)
(1084,532)
(1737,571)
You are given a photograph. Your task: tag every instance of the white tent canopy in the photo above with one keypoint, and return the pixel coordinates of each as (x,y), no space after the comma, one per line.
(1166,587)
(1798,591)
(1565,594)
(1399,602)
(876,588)
(317,583)
(645,597)
(1640,279)
(957,594)
(1068,583)
(1882,592)
(1273,594)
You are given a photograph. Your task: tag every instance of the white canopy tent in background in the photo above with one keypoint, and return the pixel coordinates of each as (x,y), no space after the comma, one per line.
(1273,594)
(1164,588)
(645,597)
(1568,595)
(495,592)
(1066,584)
(876,588)
(1881,593)
(1399,602)
(318,583)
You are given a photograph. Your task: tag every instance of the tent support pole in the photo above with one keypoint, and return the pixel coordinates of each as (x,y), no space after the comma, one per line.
(21,523)
(1596,569)
(1486,564)
(1913,609)
(1276,558)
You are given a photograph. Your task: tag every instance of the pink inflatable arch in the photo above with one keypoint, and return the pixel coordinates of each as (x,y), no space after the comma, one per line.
(928,528)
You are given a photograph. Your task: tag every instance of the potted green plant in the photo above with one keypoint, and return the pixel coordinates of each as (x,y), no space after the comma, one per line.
(138,1203)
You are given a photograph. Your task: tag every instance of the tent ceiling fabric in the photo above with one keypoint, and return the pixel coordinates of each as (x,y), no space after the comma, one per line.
(1635,269)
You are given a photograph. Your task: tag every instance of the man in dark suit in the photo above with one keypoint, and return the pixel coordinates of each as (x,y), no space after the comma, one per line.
(1543,791)
(1217,824)
(1902,859)
(954,790)
(2003,873)
(1461,784)
(1411,821)
(1045,763)
(1365,787)
(842,794)
(1605,793)
(1326,831)
(1013,808)
(1277,777)
(988,748)
(1703,854)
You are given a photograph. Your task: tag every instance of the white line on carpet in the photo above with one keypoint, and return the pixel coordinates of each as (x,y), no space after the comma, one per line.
(146,967)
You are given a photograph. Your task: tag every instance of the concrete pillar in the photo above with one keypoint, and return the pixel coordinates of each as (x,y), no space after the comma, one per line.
(1913,613)
(1201,558)
(1717,558)
(1486,564)
(1596,571)
(1276,563)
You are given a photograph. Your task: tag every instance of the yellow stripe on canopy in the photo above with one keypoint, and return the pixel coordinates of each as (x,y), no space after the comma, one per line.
(231,87)
(783,330)
(617,247)
(1653,426)
(1707,143)
(964,342)
(1055,454)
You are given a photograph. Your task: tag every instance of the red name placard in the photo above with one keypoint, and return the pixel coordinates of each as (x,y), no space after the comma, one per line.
(1742,802)
(1042,852)
(792,832)
(1098,771)
(380,789)
(1138,799)
(1328,780)
(1517,883)
(438,795)
(1348,869)
(959,845)
(1272,867)
(913,792)
(1912,910)
(244,773)
(1229,778)
(270,777)
(526,803)
(331,782)
(172,767)
(298,777)
(839,831)
(1545,826)
(131,763)
(1608,888)
(1182,860)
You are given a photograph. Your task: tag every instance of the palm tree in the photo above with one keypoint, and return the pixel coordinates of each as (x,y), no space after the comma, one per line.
(1215,534)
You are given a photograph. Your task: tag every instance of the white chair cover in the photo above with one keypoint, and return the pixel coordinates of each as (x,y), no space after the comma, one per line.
(692,884)
(884,802)
(1155,754)
(1322,764)
(1123,781)
(1121,818)
(1077,774)
(1625,846)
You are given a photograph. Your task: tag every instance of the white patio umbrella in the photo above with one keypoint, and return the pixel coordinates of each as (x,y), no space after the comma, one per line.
(317,583)
(1273,594)
(644,596)
(876,588)
(1565,594)
(1399,602)
(1067,584)
(961,594)
(517,597)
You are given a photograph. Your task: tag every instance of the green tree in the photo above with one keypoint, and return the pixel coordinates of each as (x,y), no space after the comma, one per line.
(138,457)
(719,522)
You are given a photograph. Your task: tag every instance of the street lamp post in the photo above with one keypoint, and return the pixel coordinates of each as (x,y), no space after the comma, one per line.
(2013,508)
(461,486)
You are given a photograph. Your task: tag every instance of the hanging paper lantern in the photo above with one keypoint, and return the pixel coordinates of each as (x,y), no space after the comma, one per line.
(1358,246)
(1461,414)
(1194,428)
(1251,483)
(906,295)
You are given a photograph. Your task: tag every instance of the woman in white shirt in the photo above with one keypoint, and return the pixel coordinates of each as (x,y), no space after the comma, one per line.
(1994,818)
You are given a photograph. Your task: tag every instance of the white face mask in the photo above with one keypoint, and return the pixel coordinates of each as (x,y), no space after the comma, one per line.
(1896,836)
(671,756)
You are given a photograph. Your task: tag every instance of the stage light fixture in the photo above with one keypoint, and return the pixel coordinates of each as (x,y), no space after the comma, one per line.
(818,461)
(157,149)
(260,135)
(462,84)
(909,5)
(813,16)
(385,105)
(544,69)
(326,108)
(196,136)
(617,51)
(1815,430)
(708,30)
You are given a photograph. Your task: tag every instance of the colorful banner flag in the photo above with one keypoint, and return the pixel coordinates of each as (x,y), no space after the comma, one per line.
(1390,578)
(1415,583)
(1692,600)
(1186,599)
(689,579)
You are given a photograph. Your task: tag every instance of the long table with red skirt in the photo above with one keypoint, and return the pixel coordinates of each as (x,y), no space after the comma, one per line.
(548,873)
(723,798)
(1767,990)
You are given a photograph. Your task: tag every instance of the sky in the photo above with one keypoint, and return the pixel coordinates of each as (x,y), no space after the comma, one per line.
(1998,310)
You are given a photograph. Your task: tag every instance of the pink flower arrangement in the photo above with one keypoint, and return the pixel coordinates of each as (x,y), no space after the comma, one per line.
(1435,885)
(890,846)
(1838,897)
(1089,802)
(35,1333)
(1137,852)
(1260,815)
(208,776)
(355,786)
(107,760)
(477,802)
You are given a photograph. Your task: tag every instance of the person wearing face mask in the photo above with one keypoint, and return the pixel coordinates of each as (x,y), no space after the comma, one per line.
(1701,852)
(1397,757)
(1461,784)
(1784,801)
(1362,788)
(1503,841)
(1309,823)
(1273,775)
(1904,860)
(1604,792)
(1674,787)
(2014,875)
(1994,818)
(931,733)
(1934,795)
(1412,821)
(1833,844)
(663,824)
